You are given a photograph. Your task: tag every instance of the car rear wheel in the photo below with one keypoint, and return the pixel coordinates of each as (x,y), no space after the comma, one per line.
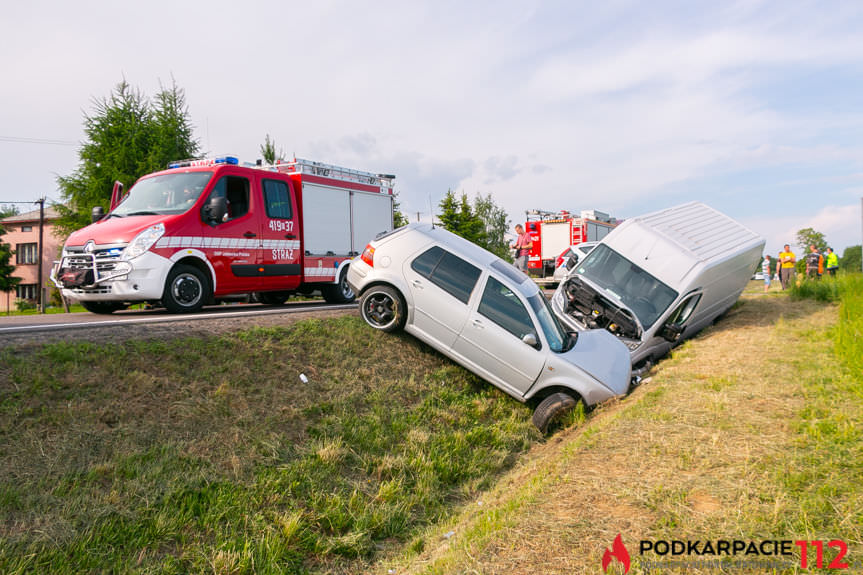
(103,307)
(383,308)
(552,409)
(186,290)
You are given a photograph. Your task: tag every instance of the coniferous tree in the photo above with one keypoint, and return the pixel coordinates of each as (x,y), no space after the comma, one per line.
(268,151)
(127,137)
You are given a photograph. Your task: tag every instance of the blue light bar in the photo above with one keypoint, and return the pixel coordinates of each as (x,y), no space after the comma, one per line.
(227,160)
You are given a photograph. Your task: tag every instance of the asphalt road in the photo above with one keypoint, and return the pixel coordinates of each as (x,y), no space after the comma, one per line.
(18,331)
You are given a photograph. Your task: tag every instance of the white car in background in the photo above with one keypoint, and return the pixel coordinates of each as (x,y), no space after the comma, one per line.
(487,316)
(571,256)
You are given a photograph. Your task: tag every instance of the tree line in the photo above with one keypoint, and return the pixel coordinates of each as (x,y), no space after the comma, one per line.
(129,135)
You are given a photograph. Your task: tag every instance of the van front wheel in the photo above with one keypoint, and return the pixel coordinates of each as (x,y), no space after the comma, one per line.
(552,409)
(186,290)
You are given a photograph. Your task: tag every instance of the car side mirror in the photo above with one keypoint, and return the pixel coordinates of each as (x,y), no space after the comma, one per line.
(97,214)
(216,209)
(671,332)
(570,263)
(529,339)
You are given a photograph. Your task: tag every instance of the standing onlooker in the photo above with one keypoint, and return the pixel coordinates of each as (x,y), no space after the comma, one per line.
(522,247)
(814,263)
(765,271)
(832,262)
(787,259)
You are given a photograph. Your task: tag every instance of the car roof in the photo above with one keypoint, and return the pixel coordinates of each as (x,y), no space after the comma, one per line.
(475,254)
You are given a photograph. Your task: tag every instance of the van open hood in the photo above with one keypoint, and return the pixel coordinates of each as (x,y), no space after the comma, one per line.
(115,230)
(577,298)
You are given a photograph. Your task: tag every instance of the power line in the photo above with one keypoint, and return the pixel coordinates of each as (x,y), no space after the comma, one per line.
(17,140)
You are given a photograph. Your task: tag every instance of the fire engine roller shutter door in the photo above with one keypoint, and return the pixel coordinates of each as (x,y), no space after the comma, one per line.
(555,239)
(373,214)
(326,220)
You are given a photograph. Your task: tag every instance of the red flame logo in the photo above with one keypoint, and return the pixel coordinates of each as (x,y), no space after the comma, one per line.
(618,551)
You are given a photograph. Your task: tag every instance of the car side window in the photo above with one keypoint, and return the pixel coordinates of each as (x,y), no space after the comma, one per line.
(502,306)
(277,197)
(235,189)
(447,271)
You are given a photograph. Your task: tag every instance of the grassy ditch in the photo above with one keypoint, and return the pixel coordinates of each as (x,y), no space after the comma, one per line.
(211,455)
(752,432)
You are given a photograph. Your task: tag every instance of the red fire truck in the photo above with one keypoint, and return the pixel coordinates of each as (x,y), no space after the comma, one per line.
(553,232)
(209,229)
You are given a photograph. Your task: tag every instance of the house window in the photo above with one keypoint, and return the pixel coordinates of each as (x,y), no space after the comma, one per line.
(27,253)
(26,228)
(26,291)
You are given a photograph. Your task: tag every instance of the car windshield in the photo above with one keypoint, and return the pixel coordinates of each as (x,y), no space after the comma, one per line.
(643,294)
(557,338)
(164,194)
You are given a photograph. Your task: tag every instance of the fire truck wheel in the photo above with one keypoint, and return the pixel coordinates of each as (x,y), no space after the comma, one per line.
(383,308)
(186,290)
(551,409)
(340,292)
(103,306)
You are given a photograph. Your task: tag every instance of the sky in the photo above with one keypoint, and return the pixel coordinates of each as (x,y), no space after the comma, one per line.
(755,108)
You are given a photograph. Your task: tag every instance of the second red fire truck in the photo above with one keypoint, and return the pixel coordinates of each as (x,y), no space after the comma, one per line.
(552,233)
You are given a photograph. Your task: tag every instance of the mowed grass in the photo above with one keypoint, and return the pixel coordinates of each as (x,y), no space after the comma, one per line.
(752,431)
(212,456)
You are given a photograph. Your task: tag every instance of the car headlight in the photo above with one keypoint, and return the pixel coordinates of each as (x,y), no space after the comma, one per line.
(143,241)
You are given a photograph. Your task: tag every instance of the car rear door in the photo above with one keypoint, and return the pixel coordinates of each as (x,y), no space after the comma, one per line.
(492,338)
(440,284)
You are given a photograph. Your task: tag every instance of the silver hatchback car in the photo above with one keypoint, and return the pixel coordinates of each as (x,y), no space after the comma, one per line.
(487,316)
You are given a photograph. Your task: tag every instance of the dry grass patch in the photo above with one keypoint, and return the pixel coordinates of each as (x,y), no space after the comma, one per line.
(696,453)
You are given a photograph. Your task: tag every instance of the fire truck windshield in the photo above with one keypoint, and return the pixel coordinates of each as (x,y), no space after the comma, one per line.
(164,194)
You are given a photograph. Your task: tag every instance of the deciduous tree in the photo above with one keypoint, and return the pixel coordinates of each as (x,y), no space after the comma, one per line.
(852,259)
(807,237)
(7,280)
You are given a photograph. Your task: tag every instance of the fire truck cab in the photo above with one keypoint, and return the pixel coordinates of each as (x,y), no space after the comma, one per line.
(209,229)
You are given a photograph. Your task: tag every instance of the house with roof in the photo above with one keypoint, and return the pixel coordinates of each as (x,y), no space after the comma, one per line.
(22,233)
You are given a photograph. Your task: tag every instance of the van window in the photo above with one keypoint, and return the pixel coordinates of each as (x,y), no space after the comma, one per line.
(277,197)
(447,271)
(502,306)
(684,311)
(236,190)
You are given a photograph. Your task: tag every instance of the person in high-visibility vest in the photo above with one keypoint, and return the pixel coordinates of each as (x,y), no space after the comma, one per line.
(832,262)
(787,259)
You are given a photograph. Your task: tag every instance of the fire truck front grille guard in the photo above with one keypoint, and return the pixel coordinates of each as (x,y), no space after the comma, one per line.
(104,264)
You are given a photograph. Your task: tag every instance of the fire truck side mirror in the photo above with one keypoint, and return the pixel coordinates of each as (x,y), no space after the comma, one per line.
(97,214)
(215,210)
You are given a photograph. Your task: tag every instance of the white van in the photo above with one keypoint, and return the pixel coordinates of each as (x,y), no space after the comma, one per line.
(660,278)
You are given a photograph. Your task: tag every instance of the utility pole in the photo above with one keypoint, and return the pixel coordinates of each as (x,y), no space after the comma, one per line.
(39,285)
